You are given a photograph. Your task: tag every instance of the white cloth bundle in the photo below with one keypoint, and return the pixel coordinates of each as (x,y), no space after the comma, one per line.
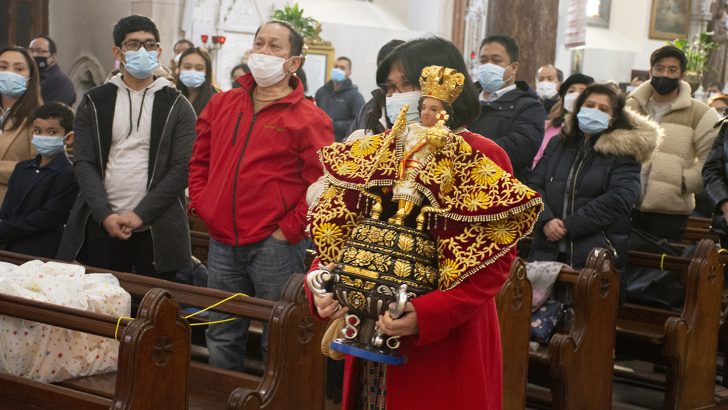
(51,354)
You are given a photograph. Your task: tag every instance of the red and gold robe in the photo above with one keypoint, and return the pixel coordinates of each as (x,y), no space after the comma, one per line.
(455,360)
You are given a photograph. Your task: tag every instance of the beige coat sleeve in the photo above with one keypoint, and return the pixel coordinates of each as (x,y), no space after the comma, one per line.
(703,138)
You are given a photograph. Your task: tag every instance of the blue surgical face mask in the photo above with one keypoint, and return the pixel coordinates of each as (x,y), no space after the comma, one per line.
(592,121)
(398,100)
(141,63)
(338,75)
(192,78)
(12,84)
(48,145)
(490,77)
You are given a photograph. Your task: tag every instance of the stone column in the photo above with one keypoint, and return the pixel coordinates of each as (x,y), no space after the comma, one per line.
(700,14)
(533,24)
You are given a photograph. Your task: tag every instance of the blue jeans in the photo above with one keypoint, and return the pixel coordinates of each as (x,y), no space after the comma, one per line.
(259,269)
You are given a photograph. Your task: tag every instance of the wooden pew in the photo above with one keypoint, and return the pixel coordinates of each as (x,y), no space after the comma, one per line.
(698,228)
(153,347)
(294,357)
(514,316)
(578,365)
(685,341)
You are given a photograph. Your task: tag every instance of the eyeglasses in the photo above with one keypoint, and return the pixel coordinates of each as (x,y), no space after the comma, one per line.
(134,45)
(670,70)
(36,50)
(390,88)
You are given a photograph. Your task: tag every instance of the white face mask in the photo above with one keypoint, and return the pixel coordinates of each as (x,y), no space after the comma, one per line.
(396,101)
(569,101)
(546,89)
(267,70)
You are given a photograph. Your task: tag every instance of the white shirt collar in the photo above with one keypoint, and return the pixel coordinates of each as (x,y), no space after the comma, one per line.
(497,94)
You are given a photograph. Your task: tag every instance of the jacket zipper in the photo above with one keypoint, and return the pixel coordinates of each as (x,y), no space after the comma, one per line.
(609,243)
(154,168)
(573,196)
(237,124)
(101,168)
(237,171)
(159,145)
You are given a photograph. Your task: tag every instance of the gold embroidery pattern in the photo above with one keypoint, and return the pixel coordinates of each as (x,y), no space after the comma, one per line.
(330,222)
(491,209)
(478,245)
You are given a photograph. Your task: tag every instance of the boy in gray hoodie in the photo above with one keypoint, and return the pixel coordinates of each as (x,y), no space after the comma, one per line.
(133,143)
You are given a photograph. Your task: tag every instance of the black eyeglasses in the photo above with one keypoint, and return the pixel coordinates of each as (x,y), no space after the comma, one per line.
(390,88)
(134,45)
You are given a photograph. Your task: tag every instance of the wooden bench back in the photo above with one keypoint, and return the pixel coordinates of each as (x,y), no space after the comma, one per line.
(689,337)
(514,316)
(153,347)
(294,358)
(581,361)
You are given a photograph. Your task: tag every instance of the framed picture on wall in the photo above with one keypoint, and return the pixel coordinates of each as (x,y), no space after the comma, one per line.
(597,13)
(318,65)
(669,19)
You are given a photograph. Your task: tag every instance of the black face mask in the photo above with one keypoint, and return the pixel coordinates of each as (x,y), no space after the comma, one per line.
(236,84)
(664,85)
(42,62)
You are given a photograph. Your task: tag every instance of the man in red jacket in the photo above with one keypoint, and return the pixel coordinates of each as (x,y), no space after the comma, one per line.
(254,157)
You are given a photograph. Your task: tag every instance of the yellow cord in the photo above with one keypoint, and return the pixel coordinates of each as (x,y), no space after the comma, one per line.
(215,322)
(662,261)
(118,322)
(215,305)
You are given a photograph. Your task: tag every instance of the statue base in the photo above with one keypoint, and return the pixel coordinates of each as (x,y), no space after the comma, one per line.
(368,352)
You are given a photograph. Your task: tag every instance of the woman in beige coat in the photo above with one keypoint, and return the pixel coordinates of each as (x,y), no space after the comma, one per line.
(19,97)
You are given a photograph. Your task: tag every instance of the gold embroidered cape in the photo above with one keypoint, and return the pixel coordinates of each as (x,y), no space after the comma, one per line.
(488,210)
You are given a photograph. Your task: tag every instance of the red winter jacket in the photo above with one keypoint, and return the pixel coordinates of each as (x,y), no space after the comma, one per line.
(249,172)
(455,360)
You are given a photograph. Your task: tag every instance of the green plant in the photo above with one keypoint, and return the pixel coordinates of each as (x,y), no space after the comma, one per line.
(308,27)
(697,52)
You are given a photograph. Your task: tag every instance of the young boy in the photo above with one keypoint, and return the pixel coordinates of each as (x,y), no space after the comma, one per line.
(41,190)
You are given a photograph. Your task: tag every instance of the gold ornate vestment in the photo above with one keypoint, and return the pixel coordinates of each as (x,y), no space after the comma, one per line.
(488,210)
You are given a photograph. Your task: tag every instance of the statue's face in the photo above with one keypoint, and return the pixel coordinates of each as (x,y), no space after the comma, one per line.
(429,110)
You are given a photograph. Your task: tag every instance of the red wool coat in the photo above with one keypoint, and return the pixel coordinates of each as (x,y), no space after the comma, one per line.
(455,360)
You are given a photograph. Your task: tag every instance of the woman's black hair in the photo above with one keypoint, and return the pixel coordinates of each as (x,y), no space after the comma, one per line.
(411,57)
(206,89)
(619,117)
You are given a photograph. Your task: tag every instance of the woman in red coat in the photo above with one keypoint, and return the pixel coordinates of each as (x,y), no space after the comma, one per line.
(450,335)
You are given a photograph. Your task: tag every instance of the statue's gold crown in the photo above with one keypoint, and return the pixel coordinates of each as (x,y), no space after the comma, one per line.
(442,83)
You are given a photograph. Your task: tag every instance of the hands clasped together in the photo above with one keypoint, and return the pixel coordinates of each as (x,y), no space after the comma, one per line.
(555,230)
(122,225)
(329,308)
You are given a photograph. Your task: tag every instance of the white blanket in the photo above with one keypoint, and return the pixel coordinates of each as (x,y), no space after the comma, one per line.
(51,354)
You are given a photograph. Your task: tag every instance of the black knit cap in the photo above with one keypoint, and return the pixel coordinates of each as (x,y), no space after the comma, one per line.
(574,79)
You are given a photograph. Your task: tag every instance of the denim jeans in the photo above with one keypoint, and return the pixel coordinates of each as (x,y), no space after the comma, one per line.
(259,269)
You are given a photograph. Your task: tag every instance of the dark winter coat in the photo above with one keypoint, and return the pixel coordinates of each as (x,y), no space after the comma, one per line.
(514,121)
(342,105)
(715,175)
(56,86)
(592,187)
(163,208)
(36,206)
